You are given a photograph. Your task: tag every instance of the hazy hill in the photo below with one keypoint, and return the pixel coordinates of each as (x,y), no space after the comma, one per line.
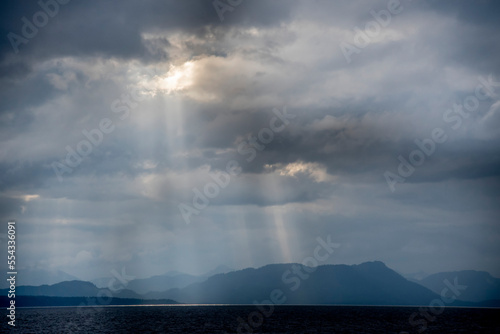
(415,277)
(35,277)
(481,286)
(68,289)
(171,280)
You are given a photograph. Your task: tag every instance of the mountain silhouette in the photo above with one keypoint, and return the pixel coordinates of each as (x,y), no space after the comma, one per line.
(370,283)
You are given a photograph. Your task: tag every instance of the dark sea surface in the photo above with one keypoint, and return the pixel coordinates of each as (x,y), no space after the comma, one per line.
(248,319)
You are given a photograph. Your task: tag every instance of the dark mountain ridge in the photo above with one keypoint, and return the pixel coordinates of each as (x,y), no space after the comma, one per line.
(370,283)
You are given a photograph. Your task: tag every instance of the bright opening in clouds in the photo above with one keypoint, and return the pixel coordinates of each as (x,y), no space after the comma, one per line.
(153,136)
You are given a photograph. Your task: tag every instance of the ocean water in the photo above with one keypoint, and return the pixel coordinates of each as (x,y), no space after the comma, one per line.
(249,319)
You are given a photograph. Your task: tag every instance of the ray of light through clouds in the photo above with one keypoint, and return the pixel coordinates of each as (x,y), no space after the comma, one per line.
(183,91)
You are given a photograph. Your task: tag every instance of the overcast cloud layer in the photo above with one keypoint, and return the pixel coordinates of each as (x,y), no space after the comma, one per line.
(181,93)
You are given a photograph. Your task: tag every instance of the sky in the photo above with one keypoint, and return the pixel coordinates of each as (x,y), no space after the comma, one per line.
(150,136)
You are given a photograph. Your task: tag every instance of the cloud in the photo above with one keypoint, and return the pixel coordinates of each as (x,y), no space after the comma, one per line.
(183,90)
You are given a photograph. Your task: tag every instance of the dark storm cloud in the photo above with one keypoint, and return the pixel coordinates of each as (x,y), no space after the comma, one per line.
(105,28)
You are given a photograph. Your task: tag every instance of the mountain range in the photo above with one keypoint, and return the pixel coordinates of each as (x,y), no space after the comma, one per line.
(369,283)
(169,280)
